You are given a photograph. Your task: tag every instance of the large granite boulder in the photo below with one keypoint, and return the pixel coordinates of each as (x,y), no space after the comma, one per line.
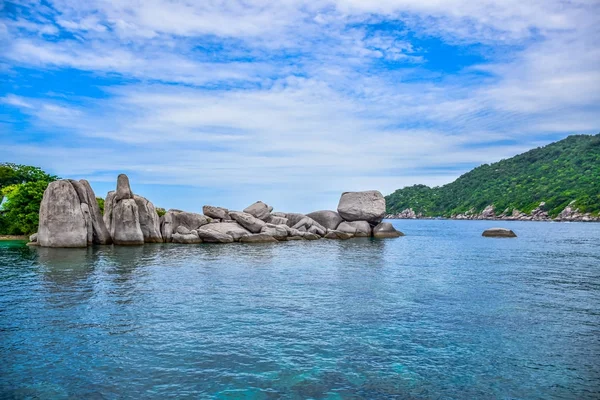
(149,220)
(305,224)
(61,221)
(216,212)
(259,210)
(276,220)
(123,188)
(386,230)
(108,207)
(101,235)
(327,218)
(279,232)
(209,235)
(248,221)
(125,225)
(258,238)
(175,218)
(356,228)
(362,206)
(186,238)
(232,229)
(499,232)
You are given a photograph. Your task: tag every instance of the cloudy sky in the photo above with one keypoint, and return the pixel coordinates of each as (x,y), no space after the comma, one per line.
(290,101)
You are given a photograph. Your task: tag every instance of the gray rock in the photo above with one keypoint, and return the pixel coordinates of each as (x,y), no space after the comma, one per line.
(295,238)
(362,206)
(258,238)
(386,230)
(108,208)
(259,210)
(88,222)
(356,228)
(80,191)
(182,230)
(279,214)
(125,225)
(277,231)
(123,188)
(216,212)
(311,236)
(499,232)
(33,238)
(489,212)
(327,218)
(232,229)
(333,234)
(209,235)
(175,218)
(61,221)
(101,235)
(149,220)
(275,220)
(248,221)
(294,219)
(316,230)
(188,238)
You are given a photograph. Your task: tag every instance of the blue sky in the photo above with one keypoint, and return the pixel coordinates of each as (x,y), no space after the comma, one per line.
(291,102)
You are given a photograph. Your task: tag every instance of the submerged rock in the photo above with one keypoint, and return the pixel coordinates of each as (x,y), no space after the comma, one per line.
(258,238)
(333,234)
(362,206)
(386,230)
(498,232)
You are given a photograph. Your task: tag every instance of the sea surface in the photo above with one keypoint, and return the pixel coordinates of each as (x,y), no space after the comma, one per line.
(441,313)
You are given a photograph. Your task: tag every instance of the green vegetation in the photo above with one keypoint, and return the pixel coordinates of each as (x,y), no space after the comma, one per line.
(21,191)
(557,174)
(161,211)
(100,202)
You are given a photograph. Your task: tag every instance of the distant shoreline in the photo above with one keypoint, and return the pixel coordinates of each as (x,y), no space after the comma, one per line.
(489,219)
(13,237)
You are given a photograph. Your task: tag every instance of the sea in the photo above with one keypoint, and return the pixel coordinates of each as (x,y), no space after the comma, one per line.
(441,313)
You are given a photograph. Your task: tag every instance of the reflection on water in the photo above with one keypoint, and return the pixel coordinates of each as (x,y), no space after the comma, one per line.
(440,313)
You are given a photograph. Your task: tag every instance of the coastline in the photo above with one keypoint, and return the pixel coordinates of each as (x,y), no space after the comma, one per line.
(13,237)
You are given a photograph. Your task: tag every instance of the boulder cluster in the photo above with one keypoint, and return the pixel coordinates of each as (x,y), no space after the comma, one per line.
(70,217)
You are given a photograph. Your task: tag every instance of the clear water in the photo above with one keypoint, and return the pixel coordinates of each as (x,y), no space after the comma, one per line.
(439,314)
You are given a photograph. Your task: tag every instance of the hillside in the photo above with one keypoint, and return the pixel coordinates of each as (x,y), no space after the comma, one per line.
(557,174)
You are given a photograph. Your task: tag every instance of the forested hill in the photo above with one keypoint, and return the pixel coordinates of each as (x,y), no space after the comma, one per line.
(556,174)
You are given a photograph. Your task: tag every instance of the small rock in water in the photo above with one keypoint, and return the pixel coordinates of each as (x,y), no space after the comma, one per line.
(386,230)
(498,232)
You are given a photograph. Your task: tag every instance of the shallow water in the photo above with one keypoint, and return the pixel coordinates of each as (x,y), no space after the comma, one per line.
(441,313)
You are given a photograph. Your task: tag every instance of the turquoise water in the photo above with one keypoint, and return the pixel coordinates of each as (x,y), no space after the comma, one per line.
(439,314)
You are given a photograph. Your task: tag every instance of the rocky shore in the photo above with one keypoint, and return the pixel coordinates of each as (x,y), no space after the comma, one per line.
(569,214)
(70,217)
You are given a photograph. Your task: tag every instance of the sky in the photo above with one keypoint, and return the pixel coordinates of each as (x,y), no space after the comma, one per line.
(291,102)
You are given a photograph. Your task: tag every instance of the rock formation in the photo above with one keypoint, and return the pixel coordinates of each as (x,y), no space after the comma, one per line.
(362,206)
(498,232)
(70,216)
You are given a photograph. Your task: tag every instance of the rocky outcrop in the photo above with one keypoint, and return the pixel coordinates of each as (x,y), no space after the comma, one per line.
(70,216)
(498,232)
(327,218)
(362,206)
(385,230)
(122,216)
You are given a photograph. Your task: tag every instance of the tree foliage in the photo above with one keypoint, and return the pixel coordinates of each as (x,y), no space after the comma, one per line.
(557,174)
(21,191)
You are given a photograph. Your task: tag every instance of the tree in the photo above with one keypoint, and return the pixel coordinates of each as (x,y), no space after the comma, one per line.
(20,211)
